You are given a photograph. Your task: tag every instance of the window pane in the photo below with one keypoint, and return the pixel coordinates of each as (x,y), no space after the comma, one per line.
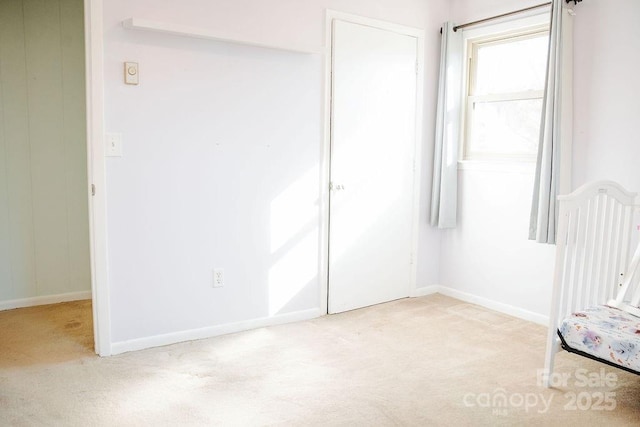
(505,127)
(515,66)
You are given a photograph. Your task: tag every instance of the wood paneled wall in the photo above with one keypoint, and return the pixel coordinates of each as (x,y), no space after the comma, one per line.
(44,232)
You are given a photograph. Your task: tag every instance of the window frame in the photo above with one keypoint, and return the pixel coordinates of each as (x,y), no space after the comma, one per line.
(524,29)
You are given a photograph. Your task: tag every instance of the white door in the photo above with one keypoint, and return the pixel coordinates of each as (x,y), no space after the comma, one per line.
(373,141)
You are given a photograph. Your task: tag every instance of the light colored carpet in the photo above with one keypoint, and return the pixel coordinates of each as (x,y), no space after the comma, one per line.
(423,361)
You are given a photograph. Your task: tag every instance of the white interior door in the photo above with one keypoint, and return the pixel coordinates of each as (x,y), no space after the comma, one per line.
(373,142)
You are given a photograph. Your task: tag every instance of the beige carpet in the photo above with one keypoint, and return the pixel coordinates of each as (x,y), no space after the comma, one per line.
(424,361)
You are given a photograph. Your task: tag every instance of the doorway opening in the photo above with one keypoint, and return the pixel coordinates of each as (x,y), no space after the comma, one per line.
(44,210)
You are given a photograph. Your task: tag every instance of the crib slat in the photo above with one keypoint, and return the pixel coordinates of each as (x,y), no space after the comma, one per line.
(626,240)
(634,280)
(598,250)
(600,288)
(611,273)
(592,229)
(635,300)
(631,280)
(582,219)
(569,280)
(619,263)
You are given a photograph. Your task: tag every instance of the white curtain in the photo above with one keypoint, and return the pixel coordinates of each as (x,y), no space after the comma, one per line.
(553,170)
(444,193)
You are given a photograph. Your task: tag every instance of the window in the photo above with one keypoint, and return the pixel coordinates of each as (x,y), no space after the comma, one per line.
(506,77)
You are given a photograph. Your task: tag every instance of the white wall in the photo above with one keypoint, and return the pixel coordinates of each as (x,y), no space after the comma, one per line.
(222,145)
(488,256)
(607,92)
(44,245)
(463,11)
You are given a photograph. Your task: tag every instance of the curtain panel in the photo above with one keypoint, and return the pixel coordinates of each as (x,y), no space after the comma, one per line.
(553,168)
(444,193)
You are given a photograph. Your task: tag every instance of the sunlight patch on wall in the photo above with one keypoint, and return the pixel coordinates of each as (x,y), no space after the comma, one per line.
(294,240)
(294,208)
(293,272)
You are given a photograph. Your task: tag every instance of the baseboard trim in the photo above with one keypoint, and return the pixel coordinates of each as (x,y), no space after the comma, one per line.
(425,290)
(229,328)
(483,302)
(44,300)
(212,331)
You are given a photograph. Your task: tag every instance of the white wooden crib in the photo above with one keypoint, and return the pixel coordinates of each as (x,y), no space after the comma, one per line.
(594,307)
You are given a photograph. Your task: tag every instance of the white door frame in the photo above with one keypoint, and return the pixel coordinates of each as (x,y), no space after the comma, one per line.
(94,54)
(325,160)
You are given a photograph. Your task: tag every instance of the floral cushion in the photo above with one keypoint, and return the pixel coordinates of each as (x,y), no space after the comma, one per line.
(606,333)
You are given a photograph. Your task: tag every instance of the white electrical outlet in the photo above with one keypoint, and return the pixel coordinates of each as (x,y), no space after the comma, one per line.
(218,277)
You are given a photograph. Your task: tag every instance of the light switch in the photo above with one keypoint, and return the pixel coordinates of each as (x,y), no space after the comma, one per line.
(113,145)
(131,73)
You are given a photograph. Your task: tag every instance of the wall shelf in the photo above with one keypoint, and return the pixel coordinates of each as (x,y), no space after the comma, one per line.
(200,33)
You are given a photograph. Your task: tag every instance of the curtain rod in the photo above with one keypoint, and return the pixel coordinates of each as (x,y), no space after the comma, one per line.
(468,24)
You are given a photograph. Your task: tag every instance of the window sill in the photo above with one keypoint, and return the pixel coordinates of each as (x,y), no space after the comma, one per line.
(503,166)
